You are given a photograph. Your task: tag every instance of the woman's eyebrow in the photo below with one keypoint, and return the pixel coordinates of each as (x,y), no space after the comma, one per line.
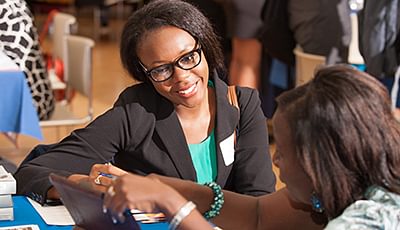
(183,52)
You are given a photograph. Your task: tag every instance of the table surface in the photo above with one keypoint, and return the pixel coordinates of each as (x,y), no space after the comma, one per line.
(17,112)
(25,214)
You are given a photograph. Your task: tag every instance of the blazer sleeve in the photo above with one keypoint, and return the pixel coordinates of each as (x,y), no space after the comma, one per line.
(252,172)
(106,136)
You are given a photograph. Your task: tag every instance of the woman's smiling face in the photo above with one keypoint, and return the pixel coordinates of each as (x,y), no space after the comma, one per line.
(165,46)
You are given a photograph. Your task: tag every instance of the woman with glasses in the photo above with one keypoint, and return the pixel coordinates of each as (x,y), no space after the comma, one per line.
(177,122)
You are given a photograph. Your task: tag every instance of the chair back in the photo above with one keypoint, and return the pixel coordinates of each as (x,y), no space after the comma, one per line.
(78,73)
(306,64)
(78,64)
(62,24)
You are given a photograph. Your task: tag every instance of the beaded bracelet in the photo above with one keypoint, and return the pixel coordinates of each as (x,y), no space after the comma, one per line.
(183,212)
(218,200)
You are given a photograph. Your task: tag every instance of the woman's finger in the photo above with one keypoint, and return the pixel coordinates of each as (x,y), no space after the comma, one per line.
(113,170)
(103,174)
(114,200)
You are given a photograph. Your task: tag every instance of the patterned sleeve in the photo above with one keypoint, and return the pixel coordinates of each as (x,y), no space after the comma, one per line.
(368,215)
(19,40)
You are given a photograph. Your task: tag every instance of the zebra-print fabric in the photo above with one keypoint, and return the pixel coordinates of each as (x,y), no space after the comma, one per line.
(19,40)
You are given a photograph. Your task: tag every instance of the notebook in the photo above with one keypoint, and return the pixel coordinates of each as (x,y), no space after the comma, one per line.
(86,206)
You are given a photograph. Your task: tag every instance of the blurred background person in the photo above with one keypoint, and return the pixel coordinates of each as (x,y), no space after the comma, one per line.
(238,23)
(379,23)
(322,27)
(243,27)
(305,24)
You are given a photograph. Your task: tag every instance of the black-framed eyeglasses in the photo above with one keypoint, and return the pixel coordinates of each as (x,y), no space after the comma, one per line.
(164,72)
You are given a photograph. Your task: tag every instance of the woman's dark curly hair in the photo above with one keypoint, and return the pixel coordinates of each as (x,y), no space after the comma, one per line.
(160,13)
(345,135)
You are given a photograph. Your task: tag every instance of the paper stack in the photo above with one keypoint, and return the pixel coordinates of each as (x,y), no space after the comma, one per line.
(8,186)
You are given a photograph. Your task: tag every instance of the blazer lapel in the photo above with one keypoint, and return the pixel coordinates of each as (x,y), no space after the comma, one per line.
(227,118)
(171,134)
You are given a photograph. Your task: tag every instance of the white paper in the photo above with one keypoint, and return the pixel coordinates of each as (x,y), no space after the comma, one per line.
(21,227)
(228,149)
(6,63)
(53,215)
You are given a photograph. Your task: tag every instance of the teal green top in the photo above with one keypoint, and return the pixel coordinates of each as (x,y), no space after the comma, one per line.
(204,156)
(204,159)
(380,210)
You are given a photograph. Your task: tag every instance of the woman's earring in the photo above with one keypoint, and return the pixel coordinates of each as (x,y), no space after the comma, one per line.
(316,203)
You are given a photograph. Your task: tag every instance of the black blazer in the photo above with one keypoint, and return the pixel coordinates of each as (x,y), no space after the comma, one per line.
(142,134)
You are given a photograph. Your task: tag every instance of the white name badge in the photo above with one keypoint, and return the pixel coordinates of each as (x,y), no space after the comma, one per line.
(227,147)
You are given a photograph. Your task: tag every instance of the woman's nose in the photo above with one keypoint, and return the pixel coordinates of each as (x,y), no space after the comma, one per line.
(180,74)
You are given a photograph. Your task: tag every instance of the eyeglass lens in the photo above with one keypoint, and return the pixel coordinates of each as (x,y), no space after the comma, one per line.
(186,62)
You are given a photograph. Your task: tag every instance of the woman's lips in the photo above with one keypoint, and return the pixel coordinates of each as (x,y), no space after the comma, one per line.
(189,91)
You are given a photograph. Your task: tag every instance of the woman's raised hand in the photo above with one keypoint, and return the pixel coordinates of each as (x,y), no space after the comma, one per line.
(145,194)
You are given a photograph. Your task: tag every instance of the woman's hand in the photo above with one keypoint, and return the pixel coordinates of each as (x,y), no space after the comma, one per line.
(146,194)
(102,175)
(77,178)
(100,178)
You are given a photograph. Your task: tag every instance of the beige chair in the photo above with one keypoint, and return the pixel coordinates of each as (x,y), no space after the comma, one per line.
(306,64)
(62,25)
(78,75)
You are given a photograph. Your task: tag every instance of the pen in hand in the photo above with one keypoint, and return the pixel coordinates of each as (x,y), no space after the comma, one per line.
(103,174)
(108,175)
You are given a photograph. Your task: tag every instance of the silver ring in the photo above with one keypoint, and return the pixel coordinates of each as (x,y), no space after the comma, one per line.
(111,191)
(97,180)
